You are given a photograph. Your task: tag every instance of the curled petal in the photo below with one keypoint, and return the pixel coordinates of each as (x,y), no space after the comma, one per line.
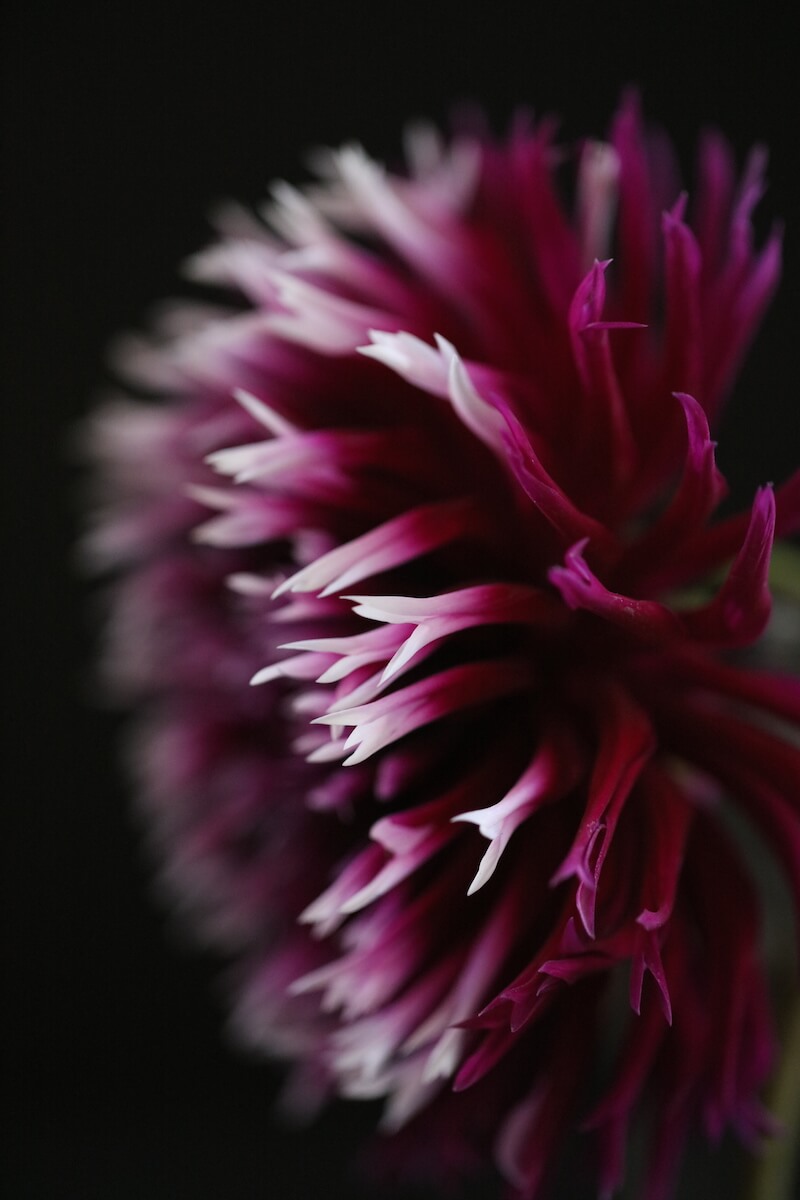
(741,608)
(647,620)
(701,489)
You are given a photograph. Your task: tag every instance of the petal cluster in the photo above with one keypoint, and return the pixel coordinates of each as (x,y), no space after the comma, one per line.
(440,484)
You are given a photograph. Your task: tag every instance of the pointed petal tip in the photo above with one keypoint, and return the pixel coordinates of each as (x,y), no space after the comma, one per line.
(266,675)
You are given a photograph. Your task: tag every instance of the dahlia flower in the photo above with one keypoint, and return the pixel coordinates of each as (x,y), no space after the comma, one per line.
(436,475)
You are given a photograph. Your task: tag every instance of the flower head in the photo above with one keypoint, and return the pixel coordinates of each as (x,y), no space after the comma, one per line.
(439,480)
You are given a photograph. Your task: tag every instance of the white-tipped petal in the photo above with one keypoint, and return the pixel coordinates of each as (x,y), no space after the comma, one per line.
(246,584)
(598,187)
(489,861)
(479,416)
(329,751)
(267,675)
(261,412)
(411,358)
(384,547)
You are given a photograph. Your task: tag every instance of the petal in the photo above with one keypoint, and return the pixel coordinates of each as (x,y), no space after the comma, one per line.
(391,717)
(626,743)
(740,610)
(388,545)
(644,619)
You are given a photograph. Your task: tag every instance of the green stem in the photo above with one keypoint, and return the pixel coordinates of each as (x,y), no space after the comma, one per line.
(784,571)
(774,1175)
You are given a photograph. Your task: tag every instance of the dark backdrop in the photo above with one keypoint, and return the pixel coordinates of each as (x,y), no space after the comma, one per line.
(121,125)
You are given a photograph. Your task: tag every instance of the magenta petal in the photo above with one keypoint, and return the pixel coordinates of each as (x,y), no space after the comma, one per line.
(638,209)
(670,818)
(625,745)
(683,337)
(580,587)
(741,608)
(556,507)
(606,414)
(528,1140)
(617,1107)
(701,489)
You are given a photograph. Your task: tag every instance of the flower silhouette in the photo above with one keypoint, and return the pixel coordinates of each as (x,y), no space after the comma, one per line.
(436,474)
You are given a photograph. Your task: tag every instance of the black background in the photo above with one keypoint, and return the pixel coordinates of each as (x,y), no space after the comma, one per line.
(121,125)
